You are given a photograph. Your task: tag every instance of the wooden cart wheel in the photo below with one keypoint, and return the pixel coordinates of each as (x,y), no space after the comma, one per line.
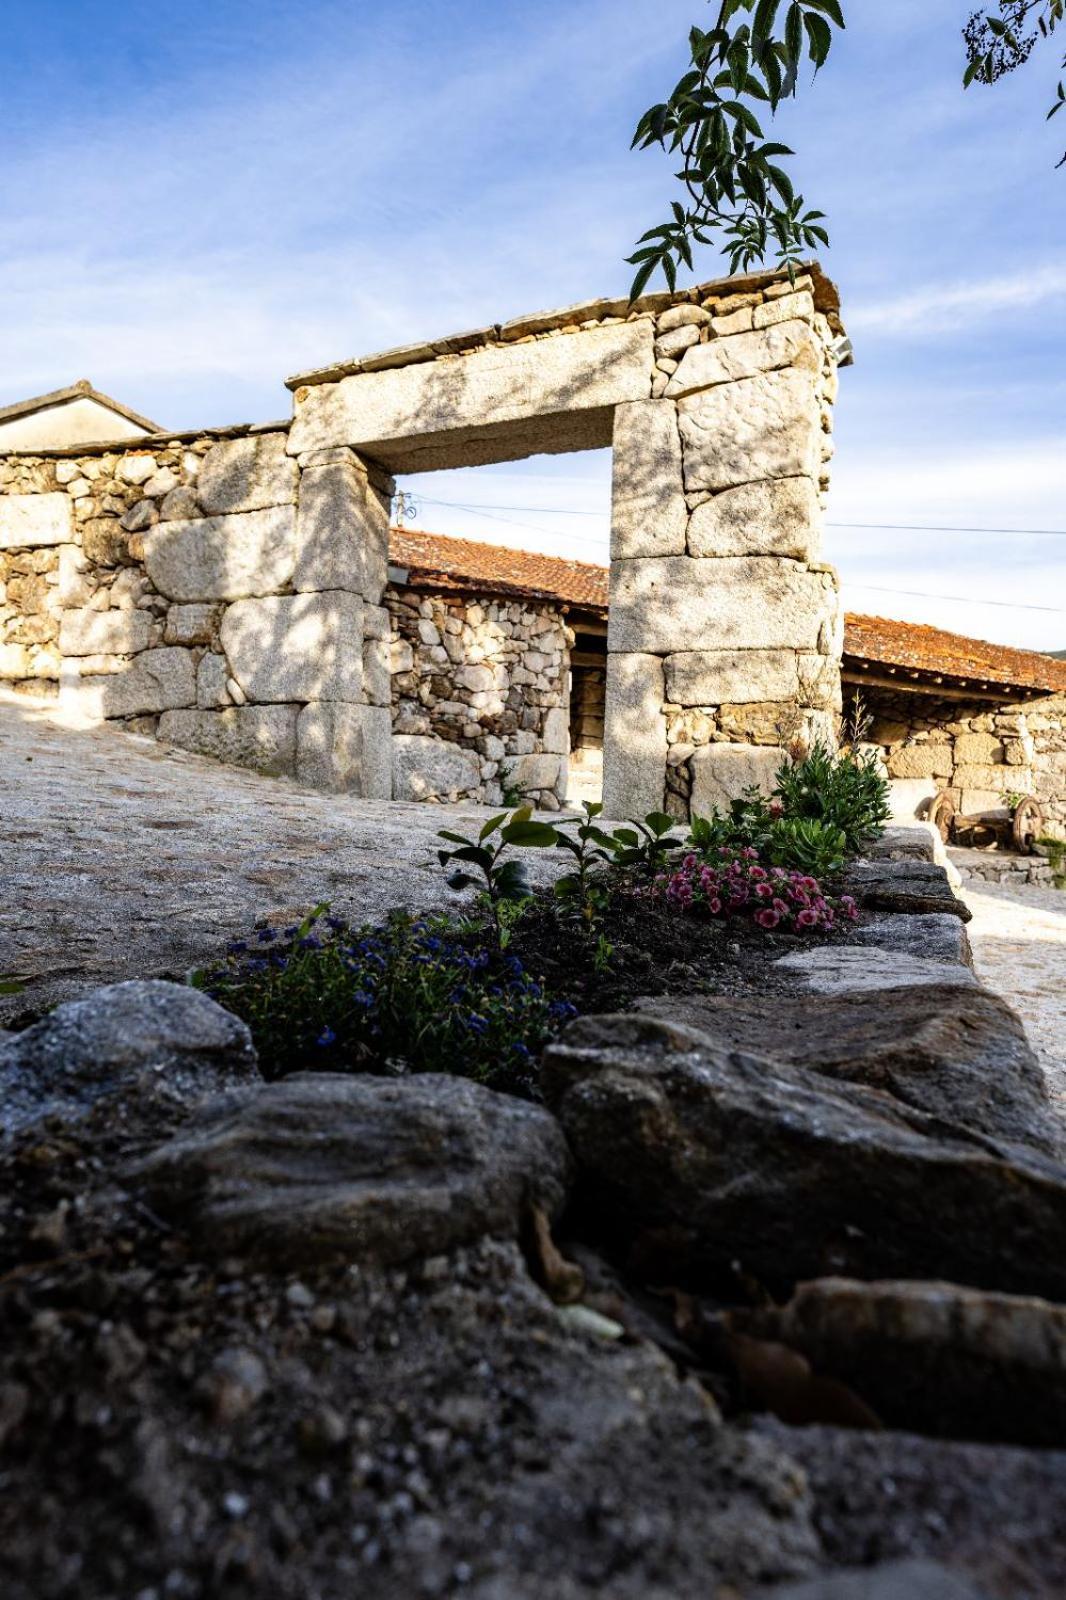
(942,815)
(1027,826)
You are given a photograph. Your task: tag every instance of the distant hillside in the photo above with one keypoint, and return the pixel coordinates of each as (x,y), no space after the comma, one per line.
(1060,655)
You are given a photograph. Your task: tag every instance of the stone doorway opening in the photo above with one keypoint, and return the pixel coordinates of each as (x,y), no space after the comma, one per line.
(495,570)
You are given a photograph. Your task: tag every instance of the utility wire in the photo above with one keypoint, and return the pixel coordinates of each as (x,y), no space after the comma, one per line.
(884,527)
(963,599)
(870,588)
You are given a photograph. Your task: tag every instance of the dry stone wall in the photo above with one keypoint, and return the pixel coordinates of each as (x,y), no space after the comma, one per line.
(976,753)
(210,590)
(479,697)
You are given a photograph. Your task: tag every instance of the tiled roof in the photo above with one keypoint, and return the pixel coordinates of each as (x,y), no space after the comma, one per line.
(933,650)
(467,564)
(463,563)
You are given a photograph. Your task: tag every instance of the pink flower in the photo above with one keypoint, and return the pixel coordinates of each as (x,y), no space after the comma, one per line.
(781,907)
(767,919)
(714,906)
(757,874)
(807,918)
(776,808)
(764,891)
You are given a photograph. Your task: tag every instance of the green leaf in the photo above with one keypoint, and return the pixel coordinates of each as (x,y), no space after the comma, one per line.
(820,37)
(659,823)
(530,835)
(794,34)
(644,272)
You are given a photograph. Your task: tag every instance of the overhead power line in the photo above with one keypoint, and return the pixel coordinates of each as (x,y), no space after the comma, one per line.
(927,527)
(882,527)
(963,599)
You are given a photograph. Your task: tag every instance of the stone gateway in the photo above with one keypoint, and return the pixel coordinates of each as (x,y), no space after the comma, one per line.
(230,590)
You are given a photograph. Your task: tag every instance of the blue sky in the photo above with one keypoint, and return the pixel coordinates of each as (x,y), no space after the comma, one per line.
(193,207)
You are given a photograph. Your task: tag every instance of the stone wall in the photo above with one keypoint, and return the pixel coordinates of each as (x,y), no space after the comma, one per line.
(211,590)
(227,589)
(976,752)
(479,697)
(725,626)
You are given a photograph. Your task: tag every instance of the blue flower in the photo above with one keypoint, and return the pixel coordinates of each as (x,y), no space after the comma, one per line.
(290,933)
(311,941)
(326,1038)
(237,947)
(475,1023)
(561,1010)
(336,924)
(266,935)
(257,964)
(363,997)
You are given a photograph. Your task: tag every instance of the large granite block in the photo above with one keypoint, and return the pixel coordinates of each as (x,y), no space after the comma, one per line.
(296,647)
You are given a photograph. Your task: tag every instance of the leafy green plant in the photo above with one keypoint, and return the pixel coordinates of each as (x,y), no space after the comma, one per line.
(735,192)
(641,848)
(412,993)
(587,889)
(807,844)
(503,883)
(845,790)
(1012,799)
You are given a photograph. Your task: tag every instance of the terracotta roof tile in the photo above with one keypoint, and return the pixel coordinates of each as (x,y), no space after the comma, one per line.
(496,569)
(926,649)
(467,564)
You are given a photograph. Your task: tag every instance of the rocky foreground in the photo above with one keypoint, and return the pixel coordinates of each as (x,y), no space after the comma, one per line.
(763,1300)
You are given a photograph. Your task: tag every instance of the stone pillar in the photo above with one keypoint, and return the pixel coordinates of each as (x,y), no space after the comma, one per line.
(344,732)
(725,630)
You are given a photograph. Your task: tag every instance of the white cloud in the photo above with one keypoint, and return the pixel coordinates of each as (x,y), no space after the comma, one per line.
(946,307)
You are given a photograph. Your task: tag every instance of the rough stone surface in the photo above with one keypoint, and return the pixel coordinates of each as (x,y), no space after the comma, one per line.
(260,737)
(138,1042)
(246,475)
(223,558)
(740,677)
(598,368)
(944,1047)
(727,1156)
(336,749)
(990,1513)
(34,519)
(342,532)
(764,427)
(722,772)
(739,602)
(156,680)
(154,857)
(836,971)
(648,511)
(87,633)
(777,517)
(745,355)
(328,1167)
(193,624)
(430,769)
(936,936)
(898,1580)
(296,647)
(634,756)
(915,886)
(933,1356)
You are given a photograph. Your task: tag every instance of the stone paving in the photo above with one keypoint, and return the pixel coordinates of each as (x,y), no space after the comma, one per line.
(120,857)
(1018,936)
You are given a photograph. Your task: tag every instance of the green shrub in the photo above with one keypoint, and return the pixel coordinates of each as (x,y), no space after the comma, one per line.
(412,993)
(842,789)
